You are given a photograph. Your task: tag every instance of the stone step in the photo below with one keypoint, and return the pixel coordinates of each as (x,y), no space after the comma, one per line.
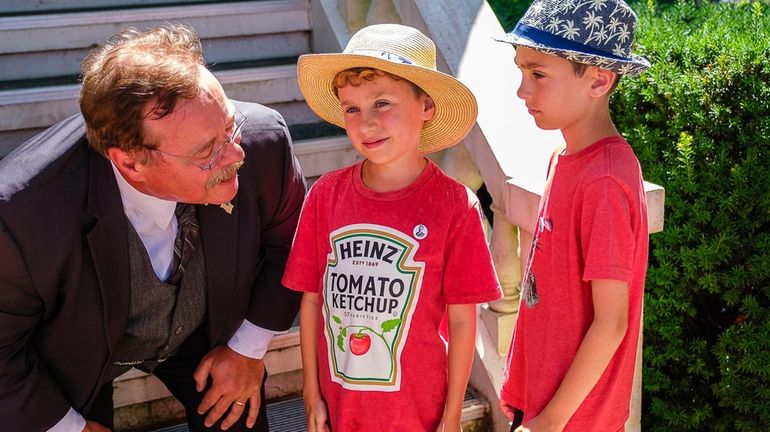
(53,45)
(26,111)
(316,156)
(141,400)
(321,155)
(17,7)
(289,416)
(42,106)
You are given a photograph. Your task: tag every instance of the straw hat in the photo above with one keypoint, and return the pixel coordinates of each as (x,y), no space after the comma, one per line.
(401,51)
(598,33)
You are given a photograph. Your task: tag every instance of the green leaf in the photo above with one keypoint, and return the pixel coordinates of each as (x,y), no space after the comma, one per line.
(343,331)
(336,319)
(341,343)
(390,324)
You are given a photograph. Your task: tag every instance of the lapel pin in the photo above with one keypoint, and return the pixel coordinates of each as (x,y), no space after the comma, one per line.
(227,207)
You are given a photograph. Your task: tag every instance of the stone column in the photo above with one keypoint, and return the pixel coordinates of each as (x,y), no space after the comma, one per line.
(457,162)
(382,12)
(505,254)
(354,13)
(360,13)
(499,316)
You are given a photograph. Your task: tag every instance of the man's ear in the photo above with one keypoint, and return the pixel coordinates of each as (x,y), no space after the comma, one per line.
(428,107)
(127,163)
(602,81)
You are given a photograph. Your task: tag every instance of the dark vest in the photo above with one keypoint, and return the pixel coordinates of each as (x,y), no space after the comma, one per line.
(161,315)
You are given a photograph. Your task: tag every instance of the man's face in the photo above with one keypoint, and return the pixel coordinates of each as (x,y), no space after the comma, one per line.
(187,139)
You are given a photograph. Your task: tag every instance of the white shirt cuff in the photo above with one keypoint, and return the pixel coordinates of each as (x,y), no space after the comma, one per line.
(72,422)
(252,341)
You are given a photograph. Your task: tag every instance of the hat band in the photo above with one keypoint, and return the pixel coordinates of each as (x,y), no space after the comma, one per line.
(393,58)
(550,40)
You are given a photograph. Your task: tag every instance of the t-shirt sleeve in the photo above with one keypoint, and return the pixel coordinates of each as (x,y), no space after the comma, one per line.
(607,234)
(469,275)
(302,272)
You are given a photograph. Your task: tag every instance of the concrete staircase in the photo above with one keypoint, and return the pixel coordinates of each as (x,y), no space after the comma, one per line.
(252,48)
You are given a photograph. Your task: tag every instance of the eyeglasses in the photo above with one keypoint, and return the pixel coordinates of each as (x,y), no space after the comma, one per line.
(216,154)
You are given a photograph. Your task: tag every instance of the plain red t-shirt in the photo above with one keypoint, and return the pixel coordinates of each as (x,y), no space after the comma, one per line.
(595,228)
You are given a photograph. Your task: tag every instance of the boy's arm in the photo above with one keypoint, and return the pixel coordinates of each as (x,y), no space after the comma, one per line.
(315,408)
(610,300)
(462,337)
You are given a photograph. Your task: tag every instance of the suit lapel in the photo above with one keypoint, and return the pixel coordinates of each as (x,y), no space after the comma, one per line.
(109,246)
(108,242)
(219,233)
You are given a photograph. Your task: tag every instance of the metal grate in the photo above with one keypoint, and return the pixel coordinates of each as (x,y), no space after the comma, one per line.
(177,428)
(289,415)
(283,416)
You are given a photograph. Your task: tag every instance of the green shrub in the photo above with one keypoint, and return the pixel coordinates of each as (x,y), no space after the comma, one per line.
(509,11)
(699,121)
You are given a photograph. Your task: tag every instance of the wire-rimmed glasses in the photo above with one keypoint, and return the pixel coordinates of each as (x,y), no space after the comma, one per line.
(216,154)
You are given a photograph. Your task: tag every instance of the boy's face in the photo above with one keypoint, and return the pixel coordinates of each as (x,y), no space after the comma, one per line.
(555,96)
(384,118)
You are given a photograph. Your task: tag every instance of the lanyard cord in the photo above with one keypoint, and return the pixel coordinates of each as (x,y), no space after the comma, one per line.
(528,282)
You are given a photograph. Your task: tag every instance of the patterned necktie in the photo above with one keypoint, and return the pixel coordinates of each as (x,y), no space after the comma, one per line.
(184,243)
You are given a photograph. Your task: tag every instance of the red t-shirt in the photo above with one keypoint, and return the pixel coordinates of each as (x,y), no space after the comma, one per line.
(594,227)
(385,266)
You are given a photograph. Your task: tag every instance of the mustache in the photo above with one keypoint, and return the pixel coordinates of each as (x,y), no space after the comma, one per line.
(224,174)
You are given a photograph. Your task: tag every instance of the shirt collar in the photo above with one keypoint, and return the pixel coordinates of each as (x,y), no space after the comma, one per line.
(157,210)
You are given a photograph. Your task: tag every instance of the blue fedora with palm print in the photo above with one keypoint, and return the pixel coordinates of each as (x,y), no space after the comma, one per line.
(595,32)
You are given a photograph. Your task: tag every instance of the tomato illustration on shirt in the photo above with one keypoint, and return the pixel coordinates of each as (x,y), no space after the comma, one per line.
(359,343)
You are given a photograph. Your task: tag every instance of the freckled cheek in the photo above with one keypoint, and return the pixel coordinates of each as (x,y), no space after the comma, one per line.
(351,126)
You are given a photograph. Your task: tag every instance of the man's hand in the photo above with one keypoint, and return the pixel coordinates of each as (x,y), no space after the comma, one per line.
(94,427)
(235,384)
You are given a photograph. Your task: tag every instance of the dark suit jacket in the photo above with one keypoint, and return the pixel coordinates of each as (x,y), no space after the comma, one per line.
(64,262)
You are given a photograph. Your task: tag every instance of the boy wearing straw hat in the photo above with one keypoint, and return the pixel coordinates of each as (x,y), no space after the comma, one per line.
(571,362)
(387,247)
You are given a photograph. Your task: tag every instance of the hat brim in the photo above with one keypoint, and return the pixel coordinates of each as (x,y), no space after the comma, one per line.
(631,66)
(455,106)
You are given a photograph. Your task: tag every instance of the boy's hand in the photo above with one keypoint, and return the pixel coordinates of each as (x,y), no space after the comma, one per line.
(539,424)
(506,409)
(449,426)
(317,416)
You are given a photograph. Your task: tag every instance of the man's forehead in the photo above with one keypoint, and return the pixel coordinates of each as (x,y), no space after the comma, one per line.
(194,125)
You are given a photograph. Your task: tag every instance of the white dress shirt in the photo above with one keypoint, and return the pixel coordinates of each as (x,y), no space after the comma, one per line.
(153,219)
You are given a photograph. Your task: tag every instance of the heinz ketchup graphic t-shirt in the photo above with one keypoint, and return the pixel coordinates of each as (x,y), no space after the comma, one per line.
(385,265)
